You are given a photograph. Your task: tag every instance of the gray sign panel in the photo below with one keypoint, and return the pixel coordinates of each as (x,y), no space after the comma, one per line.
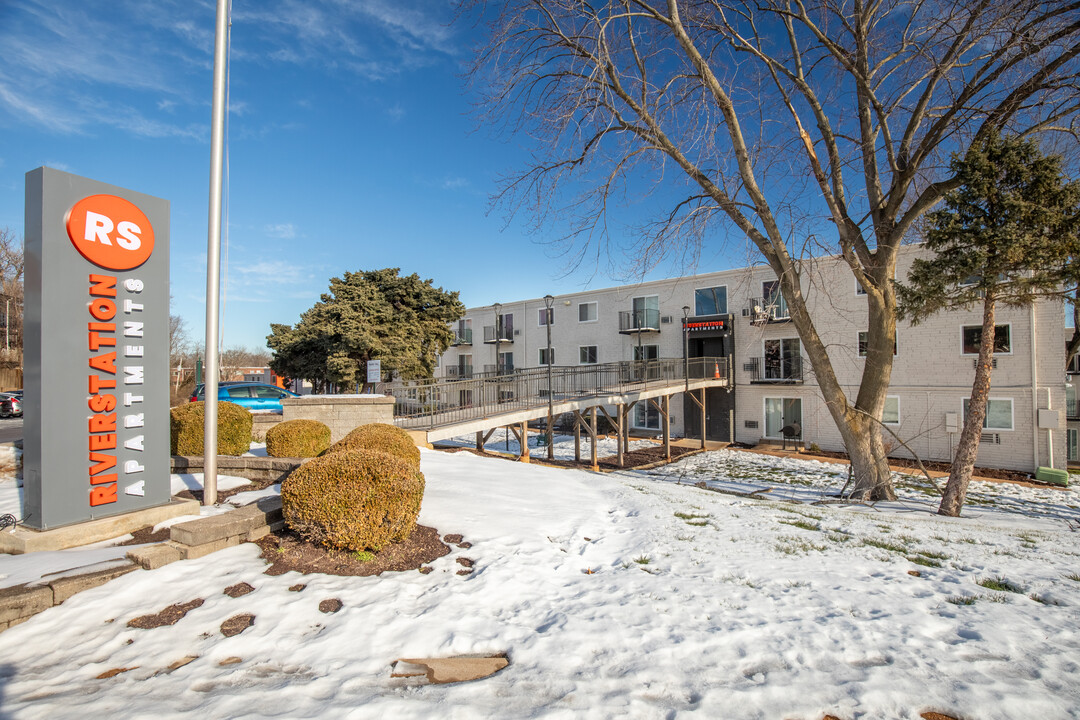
(96,350)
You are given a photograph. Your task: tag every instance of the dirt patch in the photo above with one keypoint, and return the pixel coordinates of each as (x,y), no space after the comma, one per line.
(330,606)
(146,535)
(224,495)
(115,671)
(631,460)
(238,590)
(237,624)
(297,588)
(286,551)
(169,616)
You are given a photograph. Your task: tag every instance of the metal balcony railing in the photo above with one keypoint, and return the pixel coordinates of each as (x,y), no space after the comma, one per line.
(430,403)
(775,369)
(462,337)
(505,334)
(632,321)
(766,310)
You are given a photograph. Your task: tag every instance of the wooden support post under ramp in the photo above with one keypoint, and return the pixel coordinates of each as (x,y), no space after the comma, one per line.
(618,424)
(521,434)
(592,432)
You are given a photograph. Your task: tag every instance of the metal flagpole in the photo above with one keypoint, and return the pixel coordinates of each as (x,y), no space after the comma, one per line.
(213,257)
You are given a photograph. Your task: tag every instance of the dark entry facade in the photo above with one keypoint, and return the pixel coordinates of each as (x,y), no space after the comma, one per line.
(711,336)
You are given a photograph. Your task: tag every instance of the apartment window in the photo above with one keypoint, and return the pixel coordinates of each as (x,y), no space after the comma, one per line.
(587,355)
(774,299)
(1072,409)
(586,312)
(646,311)
(545,316)
(646,352)
(1070,435)
(863,336)
(972,338)
(710,301)
(890,415)
(646,416)
(859,289)
(1074,364)
(780,412)
(506,362)
(783,359)
(544,359)
(999,413)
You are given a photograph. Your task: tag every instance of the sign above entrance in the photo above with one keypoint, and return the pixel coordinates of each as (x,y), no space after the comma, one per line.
(701,325)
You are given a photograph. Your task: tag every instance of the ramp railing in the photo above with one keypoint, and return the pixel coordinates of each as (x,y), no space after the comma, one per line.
(433,403)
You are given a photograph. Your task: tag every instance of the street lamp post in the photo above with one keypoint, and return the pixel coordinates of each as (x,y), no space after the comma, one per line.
(548,302)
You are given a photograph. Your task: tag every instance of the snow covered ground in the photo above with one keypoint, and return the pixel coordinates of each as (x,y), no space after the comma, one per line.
(563,445)
(626,595)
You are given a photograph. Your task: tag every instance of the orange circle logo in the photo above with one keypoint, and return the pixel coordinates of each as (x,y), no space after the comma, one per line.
(110,232)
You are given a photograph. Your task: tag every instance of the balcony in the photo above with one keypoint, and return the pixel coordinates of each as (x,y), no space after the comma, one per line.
(504,335)
(775,370)
(459,372)
(638,321)
(462,337)
(762,311)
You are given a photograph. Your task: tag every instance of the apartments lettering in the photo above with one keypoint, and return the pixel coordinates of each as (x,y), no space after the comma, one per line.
(114,338)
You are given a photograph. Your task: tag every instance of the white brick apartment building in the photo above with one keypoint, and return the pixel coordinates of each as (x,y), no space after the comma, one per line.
(932,373)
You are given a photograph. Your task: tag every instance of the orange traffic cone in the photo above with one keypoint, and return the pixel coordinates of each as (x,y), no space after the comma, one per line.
(716,371)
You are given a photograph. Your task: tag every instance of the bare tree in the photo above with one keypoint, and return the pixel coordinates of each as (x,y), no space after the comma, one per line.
(759,116)
(11,293)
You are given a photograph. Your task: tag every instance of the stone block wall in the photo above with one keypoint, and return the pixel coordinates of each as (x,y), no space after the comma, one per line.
(340,413)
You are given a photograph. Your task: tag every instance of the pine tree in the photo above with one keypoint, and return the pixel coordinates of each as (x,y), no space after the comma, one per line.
(374,314)
(1007,236)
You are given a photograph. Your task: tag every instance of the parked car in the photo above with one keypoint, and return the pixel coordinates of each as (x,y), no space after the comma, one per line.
(254,396)
(10,405)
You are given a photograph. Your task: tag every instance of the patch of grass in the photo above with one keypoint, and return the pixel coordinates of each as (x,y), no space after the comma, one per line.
(643,560)
(793,511)
(999,598)
(837,536)
(803,524)
(364,556)
(962,599)
(1043,599)
(883,545)
(697,523)
(999,584)
(1075,577)
(690,516)
(933,555)
(789,545)
(924,561)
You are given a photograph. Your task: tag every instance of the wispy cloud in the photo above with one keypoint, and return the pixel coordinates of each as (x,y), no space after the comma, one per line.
(71,67)
(282,231)
(455,183)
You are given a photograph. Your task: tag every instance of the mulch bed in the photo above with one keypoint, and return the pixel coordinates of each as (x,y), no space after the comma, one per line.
(287,551)
(147,535)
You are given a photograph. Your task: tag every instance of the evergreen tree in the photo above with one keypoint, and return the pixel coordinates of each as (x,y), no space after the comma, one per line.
(1008,235)
(375,314)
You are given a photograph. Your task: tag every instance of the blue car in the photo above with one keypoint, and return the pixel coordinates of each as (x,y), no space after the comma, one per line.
(254,396)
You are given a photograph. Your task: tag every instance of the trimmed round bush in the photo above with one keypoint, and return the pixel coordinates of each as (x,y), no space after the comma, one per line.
(380,437)
(186,429)
(297,438)
(353,499)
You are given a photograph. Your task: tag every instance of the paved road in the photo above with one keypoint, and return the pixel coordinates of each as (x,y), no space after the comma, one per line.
(10,429)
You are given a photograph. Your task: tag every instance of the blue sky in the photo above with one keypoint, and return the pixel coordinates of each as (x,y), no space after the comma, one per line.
(352,145)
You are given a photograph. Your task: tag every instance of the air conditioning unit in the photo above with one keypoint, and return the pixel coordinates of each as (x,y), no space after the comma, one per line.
(752,424)
(990,439)
(975,363)
(666,319)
